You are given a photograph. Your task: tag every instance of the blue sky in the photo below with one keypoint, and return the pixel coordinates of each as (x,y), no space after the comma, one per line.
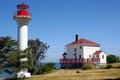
(57,21)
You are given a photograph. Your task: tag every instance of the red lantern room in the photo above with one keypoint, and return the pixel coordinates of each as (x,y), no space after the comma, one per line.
(22,10)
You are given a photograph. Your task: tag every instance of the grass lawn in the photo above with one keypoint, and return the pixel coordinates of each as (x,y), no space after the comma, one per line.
(62,74)
(70,74)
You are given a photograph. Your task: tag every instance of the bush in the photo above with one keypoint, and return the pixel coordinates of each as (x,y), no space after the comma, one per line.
(103,66)
(88,65)
(108,66)
(46,68)
(51,65)
(112,59)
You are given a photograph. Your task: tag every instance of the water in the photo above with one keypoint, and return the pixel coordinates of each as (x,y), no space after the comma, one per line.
(57,65)
(4,75)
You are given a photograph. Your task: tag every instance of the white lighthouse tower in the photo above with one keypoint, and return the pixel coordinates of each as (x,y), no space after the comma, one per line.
(22,18)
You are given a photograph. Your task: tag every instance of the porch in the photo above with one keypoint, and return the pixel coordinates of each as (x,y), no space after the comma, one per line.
(77,63)
(82,60)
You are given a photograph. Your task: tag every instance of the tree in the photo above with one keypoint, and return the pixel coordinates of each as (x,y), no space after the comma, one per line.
(13,63)
(111,58)
(10,54)
(7,47)
(38,49)
(118,58)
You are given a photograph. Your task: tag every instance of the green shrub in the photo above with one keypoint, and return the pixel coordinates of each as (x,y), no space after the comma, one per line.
(46,68)
(108,66)
(103,66)
(51,65)
(112,58)
(88,65)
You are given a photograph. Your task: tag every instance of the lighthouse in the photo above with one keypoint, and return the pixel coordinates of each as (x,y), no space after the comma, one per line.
(22,19)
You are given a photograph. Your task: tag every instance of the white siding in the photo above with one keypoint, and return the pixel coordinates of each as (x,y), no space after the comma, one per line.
(102,58)
(71,51)
(80,51)
(85,51)
(89,50)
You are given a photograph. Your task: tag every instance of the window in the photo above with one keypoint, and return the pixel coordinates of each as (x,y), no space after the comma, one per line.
(75,49)
(79,56)
(80,47)
(97,56)
(75,55)
(102,56)
(89,56)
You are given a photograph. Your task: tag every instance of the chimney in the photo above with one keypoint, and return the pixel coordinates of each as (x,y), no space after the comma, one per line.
(76,37)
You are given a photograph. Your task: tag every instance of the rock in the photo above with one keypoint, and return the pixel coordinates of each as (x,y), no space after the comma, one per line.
(77,71)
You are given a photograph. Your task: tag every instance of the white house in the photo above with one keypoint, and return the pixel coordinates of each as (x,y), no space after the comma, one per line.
(80,51)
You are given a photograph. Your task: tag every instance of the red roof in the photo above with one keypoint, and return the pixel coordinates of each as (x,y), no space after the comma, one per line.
(98,52)
(23,5)
(84,42)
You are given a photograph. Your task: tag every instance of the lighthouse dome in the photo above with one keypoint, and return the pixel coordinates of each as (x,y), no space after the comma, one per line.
(22,6)
(22,10)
